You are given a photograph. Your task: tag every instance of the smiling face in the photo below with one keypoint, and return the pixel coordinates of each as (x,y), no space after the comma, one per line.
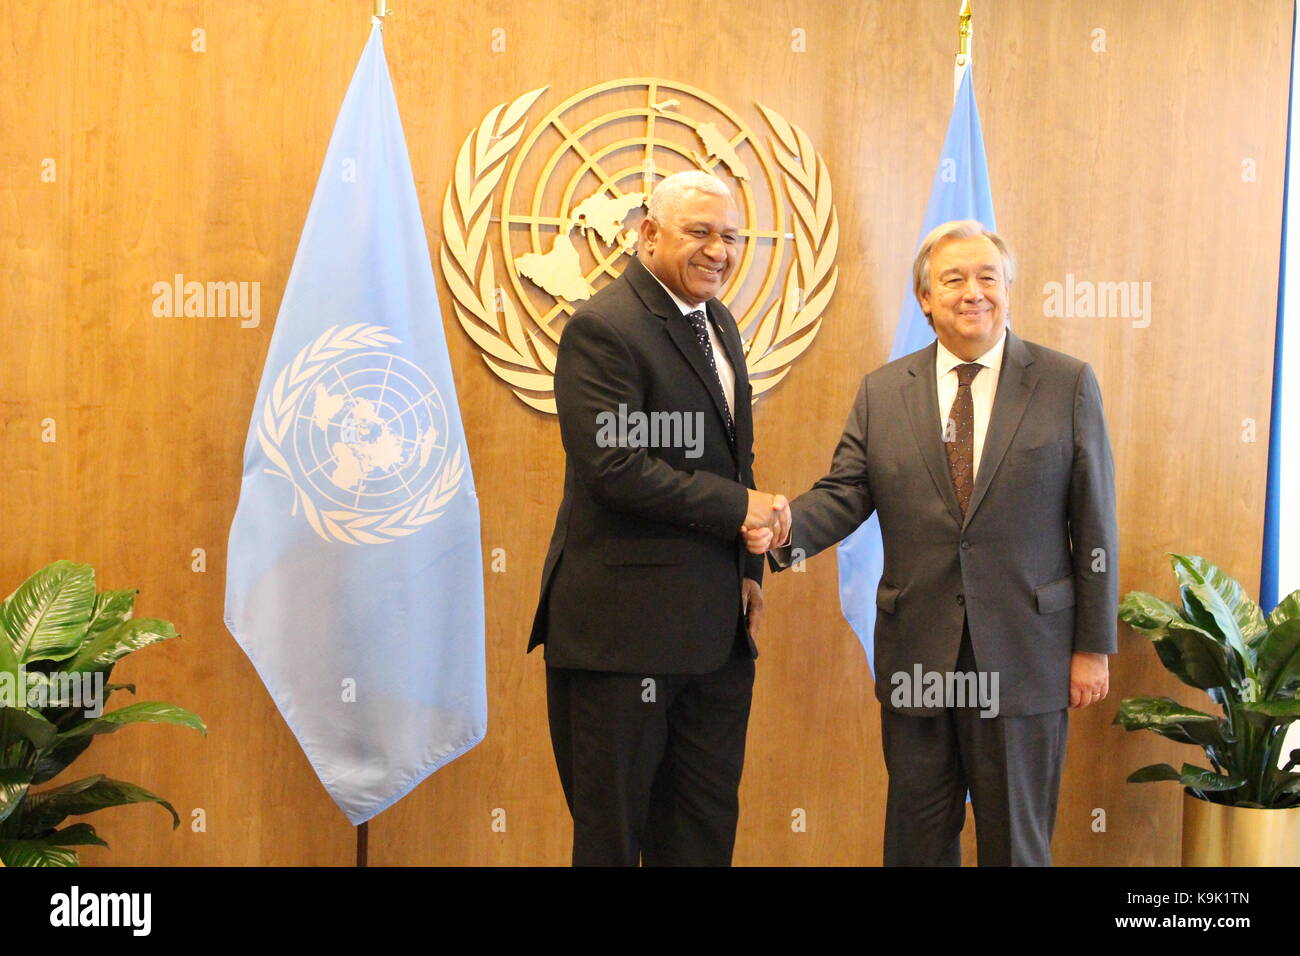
(695,251)
(967,298)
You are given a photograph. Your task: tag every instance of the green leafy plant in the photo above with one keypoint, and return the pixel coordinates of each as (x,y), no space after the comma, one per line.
(59,640)
(1220,641)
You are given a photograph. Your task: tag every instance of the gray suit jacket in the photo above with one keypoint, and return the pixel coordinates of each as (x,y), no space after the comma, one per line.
(1033,567)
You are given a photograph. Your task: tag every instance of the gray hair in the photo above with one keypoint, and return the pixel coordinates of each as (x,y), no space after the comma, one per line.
(957,229)
(671,190)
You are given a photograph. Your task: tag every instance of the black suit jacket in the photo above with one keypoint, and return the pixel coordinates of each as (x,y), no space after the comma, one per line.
(1033,566)
(644,570)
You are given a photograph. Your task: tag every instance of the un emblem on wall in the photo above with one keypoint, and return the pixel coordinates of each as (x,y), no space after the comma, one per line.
(361,434)
(563,203)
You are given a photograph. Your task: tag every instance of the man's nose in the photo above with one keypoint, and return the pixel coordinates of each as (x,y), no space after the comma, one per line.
(715,248)
(972,290)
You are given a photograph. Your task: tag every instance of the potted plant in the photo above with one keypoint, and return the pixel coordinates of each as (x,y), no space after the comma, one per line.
(1244,809)
(59,642)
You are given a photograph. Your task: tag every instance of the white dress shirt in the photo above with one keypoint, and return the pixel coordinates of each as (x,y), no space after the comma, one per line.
(982,389)
(726,374)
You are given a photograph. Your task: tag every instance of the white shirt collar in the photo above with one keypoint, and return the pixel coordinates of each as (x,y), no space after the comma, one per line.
(945,361)
(686,309)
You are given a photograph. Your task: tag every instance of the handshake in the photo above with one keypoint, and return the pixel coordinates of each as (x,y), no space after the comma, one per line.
(767,525)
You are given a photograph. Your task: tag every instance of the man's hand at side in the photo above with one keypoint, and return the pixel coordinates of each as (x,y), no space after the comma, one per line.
(752,597)
(1089,679)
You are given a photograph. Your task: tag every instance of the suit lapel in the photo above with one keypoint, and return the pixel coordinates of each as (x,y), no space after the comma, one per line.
(921,396)
(680,331)
(1016,384)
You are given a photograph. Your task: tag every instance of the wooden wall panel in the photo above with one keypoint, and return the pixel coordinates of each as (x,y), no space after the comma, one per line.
(1122,165)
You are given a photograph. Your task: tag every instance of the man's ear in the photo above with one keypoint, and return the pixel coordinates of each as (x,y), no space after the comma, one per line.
(649,234)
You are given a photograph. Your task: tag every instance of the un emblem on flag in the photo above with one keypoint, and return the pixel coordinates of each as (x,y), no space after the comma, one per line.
(361,434)
(536,220)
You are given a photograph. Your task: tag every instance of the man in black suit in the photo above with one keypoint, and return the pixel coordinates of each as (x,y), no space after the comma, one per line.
(987,461)
(649,599)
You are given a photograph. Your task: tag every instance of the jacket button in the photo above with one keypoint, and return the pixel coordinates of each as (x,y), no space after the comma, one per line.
(961,599)
(965,545)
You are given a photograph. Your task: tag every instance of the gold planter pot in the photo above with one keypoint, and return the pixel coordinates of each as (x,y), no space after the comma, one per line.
(1215,835)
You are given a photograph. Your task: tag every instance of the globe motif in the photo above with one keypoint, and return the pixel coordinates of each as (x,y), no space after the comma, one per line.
(568,193)
(594,161)
(370,433)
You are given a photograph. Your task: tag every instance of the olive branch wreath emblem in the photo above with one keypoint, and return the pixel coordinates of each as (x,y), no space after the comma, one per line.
(278,413)
(493,322)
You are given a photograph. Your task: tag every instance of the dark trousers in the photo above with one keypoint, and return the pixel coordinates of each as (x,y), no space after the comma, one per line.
(1011,765)
(650,764)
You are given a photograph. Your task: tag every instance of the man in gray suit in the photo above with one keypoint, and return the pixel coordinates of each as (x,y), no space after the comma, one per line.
(987,460)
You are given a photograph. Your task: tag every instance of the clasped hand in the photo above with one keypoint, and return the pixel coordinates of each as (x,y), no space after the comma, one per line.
(767,525)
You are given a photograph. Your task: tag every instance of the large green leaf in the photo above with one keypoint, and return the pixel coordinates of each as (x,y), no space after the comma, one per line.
(1190,653)
(1223,629)
(1278,660)
(1146,612)
(29,724)
(36,853)
(50,807)
(1167,717)
(1221,600)
(1245,612)
(1192,776)
(1288,609)
(13,787)
(111,609)
(1195,657)
(46,617)
(54,761)
(145,712)
(105,649)
(79,834)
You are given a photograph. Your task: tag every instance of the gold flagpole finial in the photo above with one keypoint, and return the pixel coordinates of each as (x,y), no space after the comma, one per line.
(963,34)
(381,8)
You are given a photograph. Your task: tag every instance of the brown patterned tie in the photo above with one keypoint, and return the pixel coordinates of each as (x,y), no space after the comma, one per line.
(959,436)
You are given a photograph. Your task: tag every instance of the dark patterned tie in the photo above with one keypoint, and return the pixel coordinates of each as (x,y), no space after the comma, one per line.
(697,321)
(959,436)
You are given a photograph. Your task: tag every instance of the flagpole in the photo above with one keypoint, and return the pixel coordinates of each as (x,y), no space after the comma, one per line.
(965,34)
(363,829)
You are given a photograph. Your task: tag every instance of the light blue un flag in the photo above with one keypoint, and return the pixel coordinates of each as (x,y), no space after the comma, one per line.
(354,575)
(960,191)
